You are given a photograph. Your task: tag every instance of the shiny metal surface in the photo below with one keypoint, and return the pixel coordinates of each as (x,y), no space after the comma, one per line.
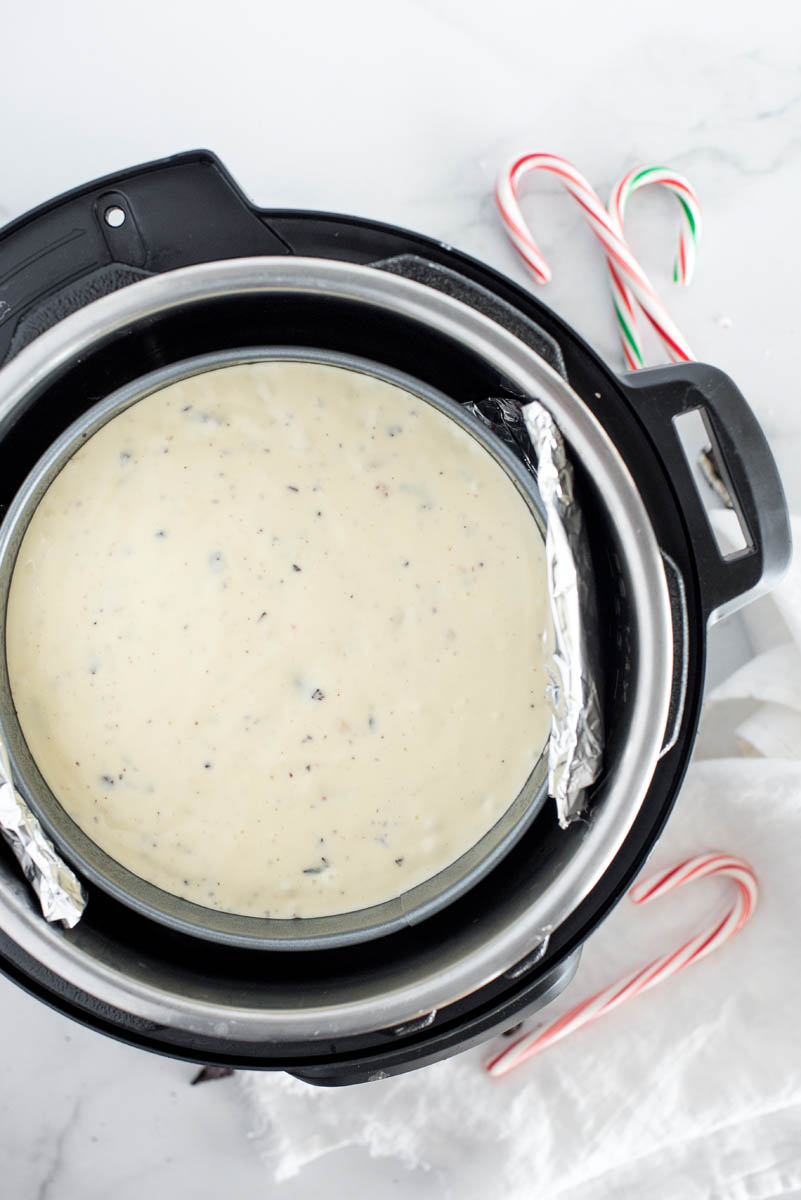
(440,974)
(575,750)
(62,896)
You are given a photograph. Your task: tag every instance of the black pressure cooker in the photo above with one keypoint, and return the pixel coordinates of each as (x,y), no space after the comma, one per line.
(168,262)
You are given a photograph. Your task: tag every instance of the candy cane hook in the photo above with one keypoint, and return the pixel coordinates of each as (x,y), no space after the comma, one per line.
(622,263)
(684,264)
(657,971)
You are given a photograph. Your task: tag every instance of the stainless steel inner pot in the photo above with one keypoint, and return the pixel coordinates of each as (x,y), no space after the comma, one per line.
(308,933)
(469,958)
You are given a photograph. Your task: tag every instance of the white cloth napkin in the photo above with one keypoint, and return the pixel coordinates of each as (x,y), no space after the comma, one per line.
(692,1090)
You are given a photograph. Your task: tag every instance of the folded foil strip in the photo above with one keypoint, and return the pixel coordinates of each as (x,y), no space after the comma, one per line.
(708,461)
(575,747)
(61,894)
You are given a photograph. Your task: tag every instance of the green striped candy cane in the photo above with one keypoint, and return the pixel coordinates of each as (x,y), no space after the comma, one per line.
(624,300)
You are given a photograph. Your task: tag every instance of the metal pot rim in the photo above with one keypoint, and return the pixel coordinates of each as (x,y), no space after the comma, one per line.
(651,676)
(93,863)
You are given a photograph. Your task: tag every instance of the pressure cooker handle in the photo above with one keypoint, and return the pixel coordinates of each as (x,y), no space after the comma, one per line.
(746,467)
(156,217)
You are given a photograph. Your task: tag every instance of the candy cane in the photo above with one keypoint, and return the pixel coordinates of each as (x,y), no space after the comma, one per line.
(685,259)
(621,261)
(657,971)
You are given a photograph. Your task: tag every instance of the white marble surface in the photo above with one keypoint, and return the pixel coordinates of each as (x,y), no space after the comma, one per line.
(402,112)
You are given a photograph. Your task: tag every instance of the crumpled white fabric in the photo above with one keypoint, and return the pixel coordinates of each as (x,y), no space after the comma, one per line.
(690,1092)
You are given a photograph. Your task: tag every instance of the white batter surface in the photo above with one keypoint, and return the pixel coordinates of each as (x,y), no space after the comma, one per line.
(276,639)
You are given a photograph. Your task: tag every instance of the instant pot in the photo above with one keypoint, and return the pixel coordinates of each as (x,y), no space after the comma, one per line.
(143,271)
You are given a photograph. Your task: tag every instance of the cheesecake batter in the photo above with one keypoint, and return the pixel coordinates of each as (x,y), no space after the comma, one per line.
(276,639)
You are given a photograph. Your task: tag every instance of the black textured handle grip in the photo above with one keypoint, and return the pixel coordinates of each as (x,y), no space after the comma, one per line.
(751,477)
(89,242)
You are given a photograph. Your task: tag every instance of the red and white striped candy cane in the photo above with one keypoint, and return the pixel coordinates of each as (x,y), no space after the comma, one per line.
(684,265)
(619,256)
(657,971)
